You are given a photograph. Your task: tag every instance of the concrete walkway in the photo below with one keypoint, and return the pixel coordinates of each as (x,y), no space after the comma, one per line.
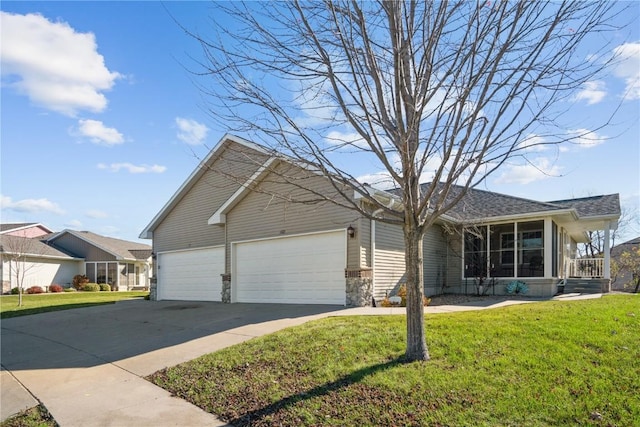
(87,366)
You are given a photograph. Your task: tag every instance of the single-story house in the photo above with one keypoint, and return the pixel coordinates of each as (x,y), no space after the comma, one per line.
(43,258)
(231,233)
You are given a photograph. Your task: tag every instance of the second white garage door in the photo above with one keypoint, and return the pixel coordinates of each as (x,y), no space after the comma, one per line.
(305,269)
(192,275)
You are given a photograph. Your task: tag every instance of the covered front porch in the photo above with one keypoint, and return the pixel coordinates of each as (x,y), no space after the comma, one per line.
(541,252)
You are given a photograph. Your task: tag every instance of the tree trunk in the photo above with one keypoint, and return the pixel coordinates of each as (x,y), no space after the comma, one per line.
(416,343)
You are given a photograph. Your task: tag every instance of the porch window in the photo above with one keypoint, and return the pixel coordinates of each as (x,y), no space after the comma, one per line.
(502,250)
(531,249)
(475,252)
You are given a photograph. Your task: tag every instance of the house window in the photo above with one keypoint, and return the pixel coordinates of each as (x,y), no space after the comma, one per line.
(90,271)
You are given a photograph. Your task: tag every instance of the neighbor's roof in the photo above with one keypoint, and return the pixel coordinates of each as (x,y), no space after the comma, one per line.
(121,249)
(5,228)
(33,247)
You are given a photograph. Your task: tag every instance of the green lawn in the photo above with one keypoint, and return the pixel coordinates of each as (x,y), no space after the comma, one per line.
(41,303)
(548,363)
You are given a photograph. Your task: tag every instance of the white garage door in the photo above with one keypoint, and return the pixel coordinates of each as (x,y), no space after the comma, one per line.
(292,270)
(192,275)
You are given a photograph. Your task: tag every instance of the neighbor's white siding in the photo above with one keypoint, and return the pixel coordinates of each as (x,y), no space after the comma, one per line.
(42,272)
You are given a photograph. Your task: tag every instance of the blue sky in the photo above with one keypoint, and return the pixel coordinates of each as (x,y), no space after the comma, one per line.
(101,122)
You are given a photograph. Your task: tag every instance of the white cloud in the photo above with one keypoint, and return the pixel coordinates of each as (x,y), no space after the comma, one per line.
(532,143)
(592,92)
(96,214)
(30,205)
(380,180)
(537,170)
(191,132)
(98,133)
(55,66)
(74,223)
(585,138)
(627,67)
(131,168)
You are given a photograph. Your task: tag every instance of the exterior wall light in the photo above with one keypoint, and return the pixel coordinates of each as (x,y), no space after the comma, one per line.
(351,232)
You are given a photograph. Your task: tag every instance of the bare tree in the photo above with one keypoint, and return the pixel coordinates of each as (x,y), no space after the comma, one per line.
(594,248)
(439,92)
(19,251)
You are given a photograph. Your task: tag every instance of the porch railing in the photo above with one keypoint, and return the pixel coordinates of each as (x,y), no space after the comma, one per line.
(586,267)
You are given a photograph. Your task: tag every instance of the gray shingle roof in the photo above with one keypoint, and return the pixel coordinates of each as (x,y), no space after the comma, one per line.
(481,204)
(593,206)
(34,247)
(121,248)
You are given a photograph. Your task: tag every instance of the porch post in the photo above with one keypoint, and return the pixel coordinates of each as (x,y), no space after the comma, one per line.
(548,247)
(607,251)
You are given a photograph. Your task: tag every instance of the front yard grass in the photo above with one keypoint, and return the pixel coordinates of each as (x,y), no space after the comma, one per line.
(548,363)
(42,303)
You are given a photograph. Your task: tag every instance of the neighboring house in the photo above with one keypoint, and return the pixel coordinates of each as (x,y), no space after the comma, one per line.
(44,258)
(34,263)
(624,279)
(122,264)
(25,229)
(231,234)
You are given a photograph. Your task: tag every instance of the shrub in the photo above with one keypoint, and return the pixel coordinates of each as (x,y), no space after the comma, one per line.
(105,287)
(35,290)
(55,288)
(15,291)
(79,280)
(91,287)
(516,287)
(69,290)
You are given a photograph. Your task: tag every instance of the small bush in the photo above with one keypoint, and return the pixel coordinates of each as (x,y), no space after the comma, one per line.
(35,290)
(55,288)
(105,287)
(69,290)
(91,287)
(79,280)
(516,287)
(15,291)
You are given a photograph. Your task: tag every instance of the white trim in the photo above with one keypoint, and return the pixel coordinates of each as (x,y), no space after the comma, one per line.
(220,215)
(147,232)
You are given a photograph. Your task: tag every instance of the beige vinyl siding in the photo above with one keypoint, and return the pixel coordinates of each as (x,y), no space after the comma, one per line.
(364,240)
(435,261)
(275,210)
(81,248)
(454,264)
(389,263)
(186,224)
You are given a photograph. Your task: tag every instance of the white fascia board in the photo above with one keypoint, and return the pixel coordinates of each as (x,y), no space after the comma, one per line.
(147,233)
(220,215)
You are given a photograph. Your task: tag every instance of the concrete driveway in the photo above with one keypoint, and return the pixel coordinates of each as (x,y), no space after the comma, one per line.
(87,366)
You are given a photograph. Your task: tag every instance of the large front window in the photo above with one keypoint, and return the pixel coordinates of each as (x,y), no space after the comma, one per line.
(516,250)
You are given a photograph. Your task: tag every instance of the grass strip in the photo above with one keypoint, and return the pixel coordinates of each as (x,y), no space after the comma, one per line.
(547,363)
